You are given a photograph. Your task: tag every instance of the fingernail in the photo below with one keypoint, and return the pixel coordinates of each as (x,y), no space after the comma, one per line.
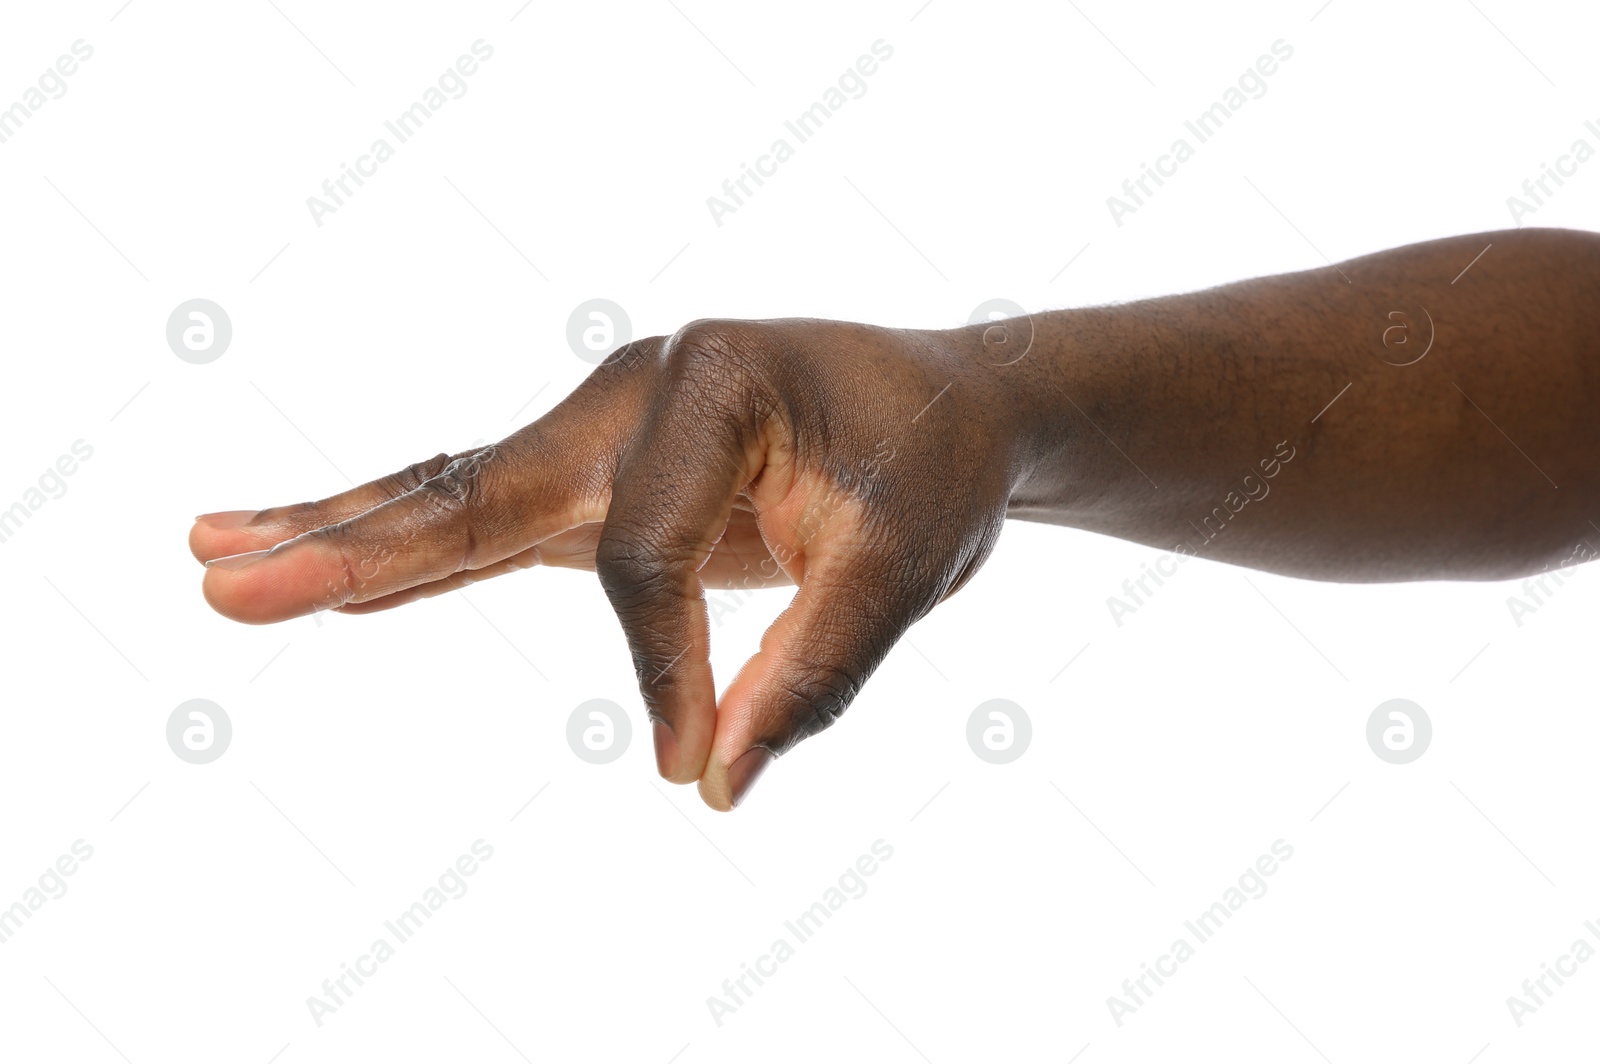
(744,772)
(237,561)
(666,748)
(229,518)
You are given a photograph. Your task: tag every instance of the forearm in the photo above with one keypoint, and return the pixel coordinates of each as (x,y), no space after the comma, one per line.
(1203,422)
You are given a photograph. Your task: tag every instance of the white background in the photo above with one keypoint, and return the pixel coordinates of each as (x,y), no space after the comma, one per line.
(369,752)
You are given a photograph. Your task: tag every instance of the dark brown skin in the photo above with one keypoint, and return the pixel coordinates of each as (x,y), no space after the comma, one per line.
(875,468)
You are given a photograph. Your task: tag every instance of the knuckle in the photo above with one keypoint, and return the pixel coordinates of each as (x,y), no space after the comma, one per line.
(415,475)
(462,483)
(457,495)
(629,568)
(819,700)
(655,667)
(358,568)
(646,351)
(640,588)
(715,346)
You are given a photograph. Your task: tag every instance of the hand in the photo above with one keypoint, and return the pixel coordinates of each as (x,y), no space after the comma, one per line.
(870,466)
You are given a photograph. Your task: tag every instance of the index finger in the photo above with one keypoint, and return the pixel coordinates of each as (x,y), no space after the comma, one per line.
(229,532)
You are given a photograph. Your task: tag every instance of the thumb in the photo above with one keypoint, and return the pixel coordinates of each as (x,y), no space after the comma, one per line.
(813,661)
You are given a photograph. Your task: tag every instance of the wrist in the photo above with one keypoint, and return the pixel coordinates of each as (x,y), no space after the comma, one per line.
(1040,377)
